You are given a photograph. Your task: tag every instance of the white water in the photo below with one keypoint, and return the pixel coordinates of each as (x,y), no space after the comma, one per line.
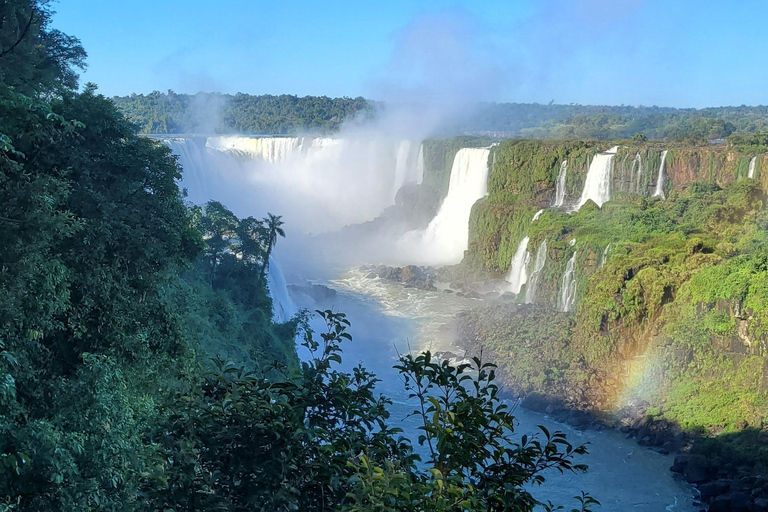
(406,166)
(283,308)
(445,238)
(518,270)
(538,266)
(269,149)
(317,184)
(622,475)
(597,185)
(639,180)
(751,173)
(537,215)
(606,251)
(659,192)
(560,187)
(568,286)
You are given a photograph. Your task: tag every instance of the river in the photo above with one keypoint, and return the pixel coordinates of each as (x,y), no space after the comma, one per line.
(388,319)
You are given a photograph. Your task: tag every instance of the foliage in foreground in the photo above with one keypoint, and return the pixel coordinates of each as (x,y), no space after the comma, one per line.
(321,441)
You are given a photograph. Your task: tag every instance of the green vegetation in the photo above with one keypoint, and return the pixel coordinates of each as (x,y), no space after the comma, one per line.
(114,297)
(267,114)
(671,293)
(240,113)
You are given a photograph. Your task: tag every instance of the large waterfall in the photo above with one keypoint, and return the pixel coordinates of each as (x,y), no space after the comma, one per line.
(561,183)
(518,273)
(269,149)
(597,186)
(283,308)
(568,286)
(445,239)
(751,172)
(659,192)
(317,184)
(538,267)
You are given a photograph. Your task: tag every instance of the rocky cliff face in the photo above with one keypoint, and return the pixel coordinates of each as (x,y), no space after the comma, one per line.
(669,305)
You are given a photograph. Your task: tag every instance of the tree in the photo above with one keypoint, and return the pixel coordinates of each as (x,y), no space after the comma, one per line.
(219,228)
(271,231)
(320,441)
(35,59)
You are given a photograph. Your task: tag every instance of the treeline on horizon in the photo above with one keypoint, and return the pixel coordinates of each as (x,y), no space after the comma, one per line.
(166,113)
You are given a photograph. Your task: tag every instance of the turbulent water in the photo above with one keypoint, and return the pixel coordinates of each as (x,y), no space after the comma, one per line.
(751,171)
(597,185)
(518,270)
(560,187)
(388,319)
(659,192)
(445,238)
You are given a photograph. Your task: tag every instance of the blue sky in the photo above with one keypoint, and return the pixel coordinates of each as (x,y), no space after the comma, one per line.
(682,53)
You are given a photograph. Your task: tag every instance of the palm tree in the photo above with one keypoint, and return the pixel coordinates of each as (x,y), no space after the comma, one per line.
(271,231)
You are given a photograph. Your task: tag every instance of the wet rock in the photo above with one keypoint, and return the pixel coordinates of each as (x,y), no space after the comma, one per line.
(712,489)
(698,470)
(372,275)
(537,402)
(681,462)
(473,295)
(447,290)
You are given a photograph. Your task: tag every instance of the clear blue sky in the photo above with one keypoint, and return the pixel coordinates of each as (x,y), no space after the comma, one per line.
(685,53)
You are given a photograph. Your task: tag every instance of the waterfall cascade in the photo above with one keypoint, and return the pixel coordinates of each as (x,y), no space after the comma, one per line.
(537,215)
(306,179)
(606,251)
(518,270)
(283,308)
(402,165)
(597,185)
(538,267)
(420,166)
(269,149)
(561,183)
(659,192)
(751,172)
(445,239)
(568,287)
(639,177)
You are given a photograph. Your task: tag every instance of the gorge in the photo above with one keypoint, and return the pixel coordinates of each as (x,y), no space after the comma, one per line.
(520,203)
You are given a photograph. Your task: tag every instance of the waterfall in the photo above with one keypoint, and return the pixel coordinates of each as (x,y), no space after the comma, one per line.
(568,288)
(420,166)
(283,308)
(537,215)
(751,173)
(402,161)
(518,275)
(597,186)
(317,183)
(659,192)
(445,239)
(538,266)
(639,181)
(269,149)
(606,251)
(561,182)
